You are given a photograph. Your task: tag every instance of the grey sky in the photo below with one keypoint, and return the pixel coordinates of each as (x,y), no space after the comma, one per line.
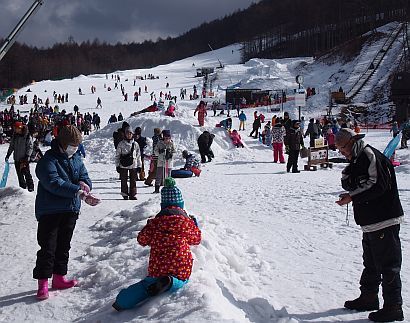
(111,20)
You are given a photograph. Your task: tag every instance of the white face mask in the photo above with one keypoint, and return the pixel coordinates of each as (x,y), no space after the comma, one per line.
(71,150)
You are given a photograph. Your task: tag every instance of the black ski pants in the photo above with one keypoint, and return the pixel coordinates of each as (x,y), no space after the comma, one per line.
(382,263)
(54,235)
(24,176)
(293,160)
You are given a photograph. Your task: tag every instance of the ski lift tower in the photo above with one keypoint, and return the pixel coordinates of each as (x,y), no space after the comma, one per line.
(19,27)
(220,64)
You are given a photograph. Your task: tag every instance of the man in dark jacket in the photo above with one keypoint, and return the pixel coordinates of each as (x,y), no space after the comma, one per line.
(293,141)
(312,131)
(21,145)
(371,184)
(204,143)
(255,127)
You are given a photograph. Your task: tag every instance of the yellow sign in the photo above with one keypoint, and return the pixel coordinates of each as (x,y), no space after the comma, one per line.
(319,142)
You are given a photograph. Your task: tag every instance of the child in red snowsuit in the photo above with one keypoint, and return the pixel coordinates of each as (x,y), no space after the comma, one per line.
(169,235)
(236,139)
(201,109)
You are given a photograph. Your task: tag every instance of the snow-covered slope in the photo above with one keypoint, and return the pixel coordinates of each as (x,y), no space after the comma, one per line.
(276,248)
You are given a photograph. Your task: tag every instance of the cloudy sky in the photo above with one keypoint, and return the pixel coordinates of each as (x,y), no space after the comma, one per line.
(111,20)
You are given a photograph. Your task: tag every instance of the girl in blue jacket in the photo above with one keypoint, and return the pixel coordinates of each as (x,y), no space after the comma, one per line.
(63,183)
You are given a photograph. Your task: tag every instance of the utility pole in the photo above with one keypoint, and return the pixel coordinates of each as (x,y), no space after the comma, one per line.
(19,27)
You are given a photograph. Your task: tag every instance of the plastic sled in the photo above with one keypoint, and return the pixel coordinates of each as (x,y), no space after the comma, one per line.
(181,173)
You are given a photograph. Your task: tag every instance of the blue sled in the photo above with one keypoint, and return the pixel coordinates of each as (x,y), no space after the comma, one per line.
(137,293)
(5,175)
(391,146)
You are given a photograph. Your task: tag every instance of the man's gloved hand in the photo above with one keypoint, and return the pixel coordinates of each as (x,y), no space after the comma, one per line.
(287,149)
(84,187)
(161,150)
(118,169)
(6,159)
(138,169)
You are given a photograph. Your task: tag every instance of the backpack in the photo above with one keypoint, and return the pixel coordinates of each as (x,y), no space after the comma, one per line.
(117,136)
(127,159)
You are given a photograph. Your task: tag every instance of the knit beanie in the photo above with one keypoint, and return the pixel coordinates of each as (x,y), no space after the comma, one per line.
(69,135)
(171,195)
(345,134)
(166,133)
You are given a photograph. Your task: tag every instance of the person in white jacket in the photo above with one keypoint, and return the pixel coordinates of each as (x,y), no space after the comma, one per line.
(165,150)
(128,161)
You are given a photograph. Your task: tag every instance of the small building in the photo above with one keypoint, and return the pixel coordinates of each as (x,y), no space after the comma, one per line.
(233,96)
(400,94)
(200,72)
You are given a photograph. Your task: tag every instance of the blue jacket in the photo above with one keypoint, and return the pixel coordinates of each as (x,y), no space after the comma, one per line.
(58,182)
(242,116)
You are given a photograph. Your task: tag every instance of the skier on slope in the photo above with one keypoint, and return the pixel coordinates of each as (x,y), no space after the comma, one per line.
(169,235)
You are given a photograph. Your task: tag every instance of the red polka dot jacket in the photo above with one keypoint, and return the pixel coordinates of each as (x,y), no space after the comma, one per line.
(169,235)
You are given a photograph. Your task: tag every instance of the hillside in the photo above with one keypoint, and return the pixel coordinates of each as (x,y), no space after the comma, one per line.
(275,248)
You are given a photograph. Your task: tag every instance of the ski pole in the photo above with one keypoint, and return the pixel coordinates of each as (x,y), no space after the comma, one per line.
(347,214)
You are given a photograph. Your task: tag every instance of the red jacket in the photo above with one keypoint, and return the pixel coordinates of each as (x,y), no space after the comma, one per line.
(169,235)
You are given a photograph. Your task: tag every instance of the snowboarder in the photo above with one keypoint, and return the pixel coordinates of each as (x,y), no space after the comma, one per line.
(169,235)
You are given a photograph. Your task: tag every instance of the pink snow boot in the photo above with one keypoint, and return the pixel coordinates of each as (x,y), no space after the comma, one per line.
(42,292)
(60,282)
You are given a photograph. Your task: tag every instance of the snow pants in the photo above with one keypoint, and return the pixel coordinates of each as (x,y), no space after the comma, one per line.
(134,294)
(24,176)
(162,173)
(293,160)
(382,263)
(241,125)
(278,152)
(152,173)
(54,233)
(132,191)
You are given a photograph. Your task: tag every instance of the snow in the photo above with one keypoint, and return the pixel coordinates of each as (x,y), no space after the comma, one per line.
(276,247)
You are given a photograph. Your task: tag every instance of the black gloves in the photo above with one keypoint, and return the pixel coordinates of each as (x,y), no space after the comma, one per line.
(138,169)
(161,150)
(118,169)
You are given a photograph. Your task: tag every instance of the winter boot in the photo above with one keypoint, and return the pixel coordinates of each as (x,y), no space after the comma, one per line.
(156,189)
(365,302)
(116,307)
(60,282)
(161,285)
(42,292)
(387,314)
